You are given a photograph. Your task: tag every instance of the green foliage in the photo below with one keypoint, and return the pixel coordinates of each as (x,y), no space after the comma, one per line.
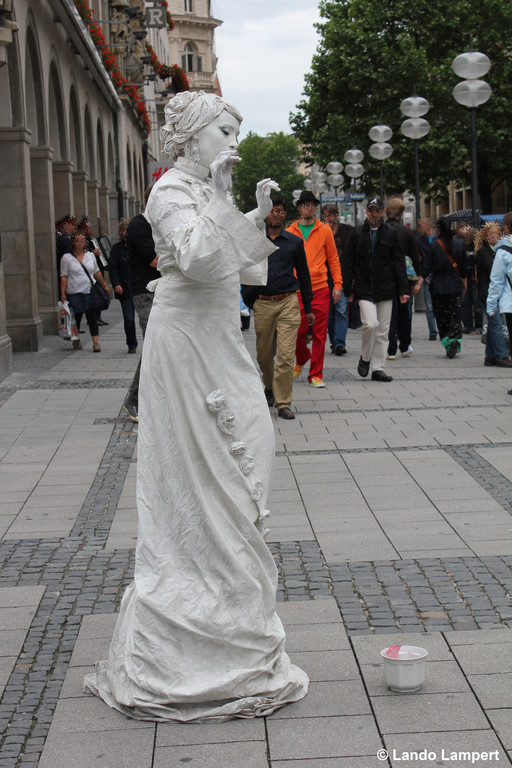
(274,156)
(370,57)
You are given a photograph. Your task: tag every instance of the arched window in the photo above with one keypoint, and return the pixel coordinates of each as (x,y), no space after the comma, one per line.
(190,61)
(187,60)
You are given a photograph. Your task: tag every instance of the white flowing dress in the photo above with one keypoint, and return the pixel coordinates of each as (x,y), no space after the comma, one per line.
(198,637)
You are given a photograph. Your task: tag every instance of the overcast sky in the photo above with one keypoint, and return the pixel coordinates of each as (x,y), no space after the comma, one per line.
(264,49)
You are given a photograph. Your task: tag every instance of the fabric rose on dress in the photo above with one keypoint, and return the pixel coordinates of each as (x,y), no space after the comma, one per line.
(226,422)
(247,465)
(257,490)
(264,514)
(215,400)
(237,448)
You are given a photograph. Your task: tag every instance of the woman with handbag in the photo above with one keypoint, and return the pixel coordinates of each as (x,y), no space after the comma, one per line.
(78,276)
(445,263)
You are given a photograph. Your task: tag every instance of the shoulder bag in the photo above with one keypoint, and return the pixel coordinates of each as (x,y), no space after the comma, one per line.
(98,297)
(450,258)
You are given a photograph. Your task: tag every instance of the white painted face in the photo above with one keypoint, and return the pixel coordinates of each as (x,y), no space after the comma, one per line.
(221,133)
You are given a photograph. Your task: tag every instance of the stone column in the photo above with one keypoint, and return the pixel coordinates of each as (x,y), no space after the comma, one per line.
(80,193)
(104,214)
(93,206)
(113,218)
(63,188)
(5,340)
(24,325)
(44,236)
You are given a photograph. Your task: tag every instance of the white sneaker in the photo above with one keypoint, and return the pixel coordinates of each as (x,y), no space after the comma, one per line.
(407,353)
(391,357)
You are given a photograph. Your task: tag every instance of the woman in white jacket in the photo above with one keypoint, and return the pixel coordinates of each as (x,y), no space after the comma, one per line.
(499,298)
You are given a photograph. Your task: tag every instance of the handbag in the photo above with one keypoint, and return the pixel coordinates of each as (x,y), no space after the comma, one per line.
(98,297)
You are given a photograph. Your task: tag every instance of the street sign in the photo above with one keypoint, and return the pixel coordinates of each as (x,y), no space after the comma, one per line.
(357,196)
(338,199)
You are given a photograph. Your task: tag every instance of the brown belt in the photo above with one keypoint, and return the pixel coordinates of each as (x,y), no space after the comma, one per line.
(275,298)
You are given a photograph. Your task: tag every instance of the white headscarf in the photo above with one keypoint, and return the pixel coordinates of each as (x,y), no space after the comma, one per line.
(185,114)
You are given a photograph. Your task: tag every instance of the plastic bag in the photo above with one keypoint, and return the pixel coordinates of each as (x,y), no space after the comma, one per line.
(67,322)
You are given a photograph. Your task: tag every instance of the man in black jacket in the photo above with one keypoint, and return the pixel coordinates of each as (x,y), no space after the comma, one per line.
(400,328)
(143,262)
(374,273)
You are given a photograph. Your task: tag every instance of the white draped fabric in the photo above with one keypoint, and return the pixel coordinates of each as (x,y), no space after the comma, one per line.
(198,637)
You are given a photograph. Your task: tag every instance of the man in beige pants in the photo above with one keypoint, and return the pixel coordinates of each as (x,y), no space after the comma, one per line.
(276,311)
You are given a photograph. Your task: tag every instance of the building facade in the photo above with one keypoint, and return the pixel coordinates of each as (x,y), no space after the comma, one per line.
(192,43)
(80,106)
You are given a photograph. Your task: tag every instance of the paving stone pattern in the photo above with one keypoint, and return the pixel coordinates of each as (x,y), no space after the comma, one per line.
(82,578)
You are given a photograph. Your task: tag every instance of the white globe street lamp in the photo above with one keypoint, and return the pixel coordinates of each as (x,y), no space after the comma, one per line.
(380,133)
(415,128)
(335,180)
(471,93)
(354,169)
(380,150)
(334,167)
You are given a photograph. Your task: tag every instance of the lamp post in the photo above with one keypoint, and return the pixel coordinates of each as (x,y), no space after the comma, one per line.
(354,169)
(472,92)
(334,179)
(380,150)
(415,128)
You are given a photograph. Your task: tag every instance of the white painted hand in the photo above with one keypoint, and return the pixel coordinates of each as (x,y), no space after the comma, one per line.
(263,190)
(221,169)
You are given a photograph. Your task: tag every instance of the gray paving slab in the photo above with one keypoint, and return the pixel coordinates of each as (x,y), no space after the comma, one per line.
(417,713)
(322,666)
(501,721)
(318,637)
(493,659)
(478,638)
(493,690)
(17,597)
(328,699)
(108,749)
(322,737)
(309,612)
(249,754)
(180,734)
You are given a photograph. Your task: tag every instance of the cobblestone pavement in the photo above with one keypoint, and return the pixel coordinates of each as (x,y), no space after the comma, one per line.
(82,577)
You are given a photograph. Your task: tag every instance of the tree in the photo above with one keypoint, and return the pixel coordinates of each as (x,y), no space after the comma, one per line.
(274,156)
(372,55)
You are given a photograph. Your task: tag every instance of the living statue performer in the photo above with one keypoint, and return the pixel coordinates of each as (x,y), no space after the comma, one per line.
(198,637)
